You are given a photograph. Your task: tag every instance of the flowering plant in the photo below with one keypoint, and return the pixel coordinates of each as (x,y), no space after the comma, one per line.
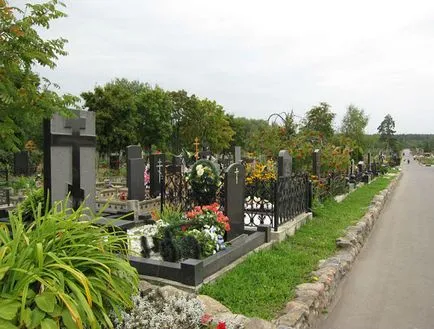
(198,233)
(146,176)
(261,172)
(210,215)
(204,180)
(207,322)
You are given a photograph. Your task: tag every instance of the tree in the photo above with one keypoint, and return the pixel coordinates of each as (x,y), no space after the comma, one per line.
(26,97)
(289,129)
(353,126)
(115,105)
(155,108)
(267,140)
(386,129)
(320,119)
(201,118)
(245,131)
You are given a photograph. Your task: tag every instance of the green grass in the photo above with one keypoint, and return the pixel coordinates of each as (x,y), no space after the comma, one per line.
(261,285)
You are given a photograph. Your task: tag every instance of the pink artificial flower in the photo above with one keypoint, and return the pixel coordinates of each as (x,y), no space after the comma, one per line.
(206,318)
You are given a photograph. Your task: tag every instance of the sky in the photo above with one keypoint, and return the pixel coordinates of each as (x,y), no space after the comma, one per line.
(261,57)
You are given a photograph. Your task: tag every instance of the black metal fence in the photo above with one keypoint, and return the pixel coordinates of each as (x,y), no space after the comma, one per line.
(259,202)
(293,195)
(277,202)
(177,190)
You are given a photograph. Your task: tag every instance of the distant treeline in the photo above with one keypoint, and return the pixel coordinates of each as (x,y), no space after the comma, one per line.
(412,141)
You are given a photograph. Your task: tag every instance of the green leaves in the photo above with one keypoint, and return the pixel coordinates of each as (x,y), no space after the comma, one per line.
(49,324)
(46,301)
(3,271)
(25,97)
(6,324)
(8,308)
(61,271)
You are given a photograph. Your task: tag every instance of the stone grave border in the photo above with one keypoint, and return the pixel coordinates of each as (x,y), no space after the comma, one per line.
(193,272)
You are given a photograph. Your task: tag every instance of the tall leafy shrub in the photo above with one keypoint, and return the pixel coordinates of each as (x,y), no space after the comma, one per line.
(62,271)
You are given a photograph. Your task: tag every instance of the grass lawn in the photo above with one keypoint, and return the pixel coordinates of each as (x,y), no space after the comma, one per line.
(266,281)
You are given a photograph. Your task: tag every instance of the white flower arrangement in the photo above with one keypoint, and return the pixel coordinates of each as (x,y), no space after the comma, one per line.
(157,310)
(200,170)
(148,231)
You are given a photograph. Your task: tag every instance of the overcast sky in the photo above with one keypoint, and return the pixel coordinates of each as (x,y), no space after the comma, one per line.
(260,57)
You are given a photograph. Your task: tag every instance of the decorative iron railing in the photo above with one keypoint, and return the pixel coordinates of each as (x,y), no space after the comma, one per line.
(276,202)
(177,191)
(293,198)
(259,202)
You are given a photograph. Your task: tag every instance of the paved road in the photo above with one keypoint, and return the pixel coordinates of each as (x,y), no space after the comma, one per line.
(391,285)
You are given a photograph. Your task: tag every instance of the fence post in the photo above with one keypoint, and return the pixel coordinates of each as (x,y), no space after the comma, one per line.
(162,189)
(309,194)
(276,205)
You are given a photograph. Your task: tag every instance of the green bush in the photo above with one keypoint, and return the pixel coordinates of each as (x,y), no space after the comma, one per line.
(27,208)
(62,271)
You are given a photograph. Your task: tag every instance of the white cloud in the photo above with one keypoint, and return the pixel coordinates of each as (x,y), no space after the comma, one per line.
(259,57)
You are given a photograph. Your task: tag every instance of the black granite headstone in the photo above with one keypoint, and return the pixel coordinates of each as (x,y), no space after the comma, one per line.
(316,163)
(69,158)
(22,164)
(114,162)
(157,172)
(135,173)
(284,164)
(234,198)
(369,162)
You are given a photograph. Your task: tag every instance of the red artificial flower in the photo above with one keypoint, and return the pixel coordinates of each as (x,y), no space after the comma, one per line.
(221,325)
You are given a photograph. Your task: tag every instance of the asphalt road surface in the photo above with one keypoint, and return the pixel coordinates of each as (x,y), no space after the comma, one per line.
(391,285)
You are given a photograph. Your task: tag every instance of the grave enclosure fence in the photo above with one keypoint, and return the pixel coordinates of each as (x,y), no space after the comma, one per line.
(276,202)
(266,202)
(177,190)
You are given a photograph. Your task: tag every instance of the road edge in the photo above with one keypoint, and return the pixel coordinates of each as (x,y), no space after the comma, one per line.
(312,299)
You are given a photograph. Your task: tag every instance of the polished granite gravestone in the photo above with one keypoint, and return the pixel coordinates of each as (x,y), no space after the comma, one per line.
(234,198)
(69,158)
(135,173)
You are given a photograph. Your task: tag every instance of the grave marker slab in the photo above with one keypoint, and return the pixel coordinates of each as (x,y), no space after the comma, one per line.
(157,172)
(234,198)
(22,164)
(284,164)
(135,173)
(69,158)
(369,162)
(114,162)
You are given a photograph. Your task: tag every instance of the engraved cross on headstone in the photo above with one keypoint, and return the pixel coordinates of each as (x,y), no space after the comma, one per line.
(159,166)
(76,140)
(237,171)
(77,193)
